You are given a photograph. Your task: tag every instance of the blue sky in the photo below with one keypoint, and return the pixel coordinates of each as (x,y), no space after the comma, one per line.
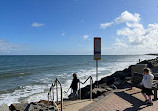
(67,27)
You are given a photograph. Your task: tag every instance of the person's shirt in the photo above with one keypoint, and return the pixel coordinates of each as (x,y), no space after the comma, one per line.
(74,84)
(147,81)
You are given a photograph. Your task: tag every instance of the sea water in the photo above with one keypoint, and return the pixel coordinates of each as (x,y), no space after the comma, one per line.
(27,78)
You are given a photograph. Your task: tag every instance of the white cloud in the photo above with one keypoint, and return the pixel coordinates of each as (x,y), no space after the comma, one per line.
(134,25)
(128,17)
(105,25)
(124,17)
(134,38)
(85,37)
(119,44)
(35,24)
(138,39)
(6,47)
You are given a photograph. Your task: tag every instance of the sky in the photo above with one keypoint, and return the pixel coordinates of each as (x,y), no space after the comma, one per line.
(68,27)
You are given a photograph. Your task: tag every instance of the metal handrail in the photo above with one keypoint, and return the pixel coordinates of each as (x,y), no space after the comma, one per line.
(52,87)
(91,82)
(87,80)
(67,90)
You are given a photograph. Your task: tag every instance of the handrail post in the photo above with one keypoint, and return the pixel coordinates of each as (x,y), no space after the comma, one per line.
(61,102)
(57,90)
(49,93)
(80,89)
(61,99)
(53,92)
(48,98)
(90,88)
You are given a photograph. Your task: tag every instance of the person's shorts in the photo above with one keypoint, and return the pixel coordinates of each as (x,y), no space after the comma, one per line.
(147,91)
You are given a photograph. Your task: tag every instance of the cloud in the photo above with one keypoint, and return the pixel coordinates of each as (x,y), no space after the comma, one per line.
(134,38)
(119,44)
(139,36)
(128,17)
(6,47)
(124,17)
(85,37)
(105,25)
(35,24)
(138,39)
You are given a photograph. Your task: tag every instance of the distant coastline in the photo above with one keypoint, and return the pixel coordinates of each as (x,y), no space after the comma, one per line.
(152,54)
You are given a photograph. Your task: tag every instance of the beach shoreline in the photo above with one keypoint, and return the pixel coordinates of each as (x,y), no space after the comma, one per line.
(109,83)
(106,84)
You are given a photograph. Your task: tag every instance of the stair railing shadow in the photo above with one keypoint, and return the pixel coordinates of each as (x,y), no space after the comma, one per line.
(136,103)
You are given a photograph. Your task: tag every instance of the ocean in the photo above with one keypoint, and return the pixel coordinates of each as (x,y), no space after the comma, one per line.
(27,78)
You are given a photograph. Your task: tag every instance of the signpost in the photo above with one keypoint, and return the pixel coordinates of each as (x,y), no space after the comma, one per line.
(97,54)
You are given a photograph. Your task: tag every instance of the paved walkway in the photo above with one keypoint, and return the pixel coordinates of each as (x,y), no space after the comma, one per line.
(122,100)
(75,105)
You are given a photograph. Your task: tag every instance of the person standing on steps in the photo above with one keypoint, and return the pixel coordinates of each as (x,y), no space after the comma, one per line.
(74,85)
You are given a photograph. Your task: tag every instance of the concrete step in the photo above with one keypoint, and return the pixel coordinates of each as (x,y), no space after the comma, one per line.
(4,107)
(75,105)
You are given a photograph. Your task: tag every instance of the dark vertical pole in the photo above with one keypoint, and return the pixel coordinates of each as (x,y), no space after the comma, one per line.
(155,94)
(61,98)
(90,88)
(80,89)
(97,72)
(57,91)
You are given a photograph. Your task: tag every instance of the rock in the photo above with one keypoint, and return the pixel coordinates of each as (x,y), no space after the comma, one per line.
(109,89)
(97,92)
(120,74)
(4,107)
(113,87)
(18,106)
(117,82)
(137,78)
(104,85)
(109,80)
(42,105)
(45,102)
(150,63)
(12,107)
(34,107)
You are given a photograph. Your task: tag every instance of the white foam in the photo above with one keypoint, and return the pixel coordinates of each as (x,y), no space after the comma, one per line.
(24,92)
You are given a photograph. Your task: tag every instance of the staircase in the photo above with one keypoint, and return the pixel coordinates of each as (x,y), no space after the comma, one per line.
(76,105)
